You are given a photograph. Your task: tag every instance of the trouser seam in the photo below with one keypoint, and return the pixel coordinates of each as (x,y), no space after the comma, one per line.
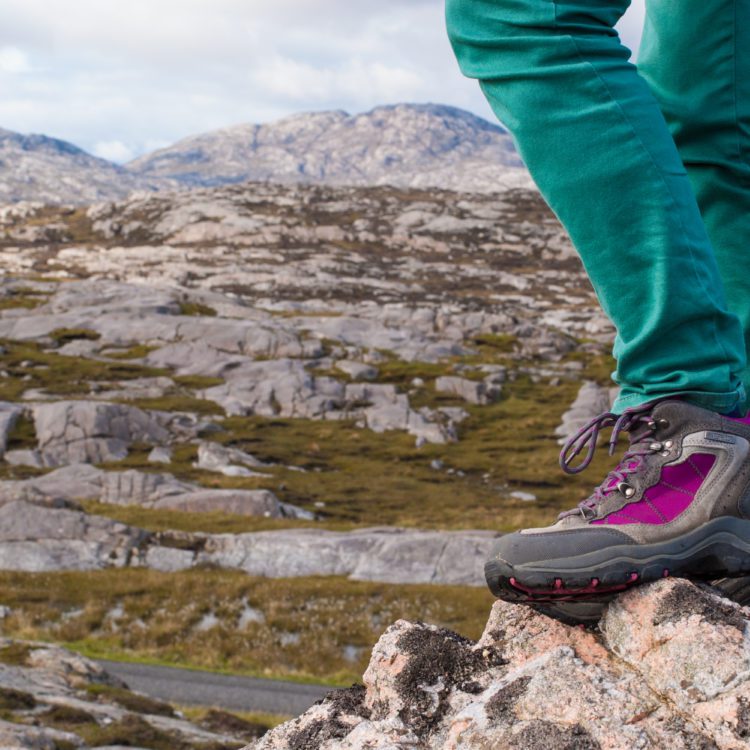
(572,39)
(737,130)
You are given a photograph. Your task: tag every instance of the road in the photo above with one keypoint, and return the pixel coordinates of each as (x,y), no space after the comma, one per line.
(232,693)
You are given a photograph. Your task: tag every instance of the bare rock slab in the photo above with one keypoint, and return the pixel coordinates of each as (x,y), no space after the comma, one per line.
(90,432)
(35,538)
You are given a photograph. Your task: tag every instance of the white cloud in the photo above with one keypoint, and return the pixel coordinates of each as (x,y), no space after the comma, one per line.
(115,151)
(356,81)
(113,76)
(14,60)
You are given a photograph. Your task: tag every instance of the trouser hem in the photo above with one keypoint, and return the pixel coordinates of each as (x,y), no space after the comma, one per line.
(722,403)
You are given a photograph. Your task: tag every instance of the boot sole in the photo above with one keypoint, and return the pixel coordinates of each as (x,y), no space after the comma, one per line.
(718,549)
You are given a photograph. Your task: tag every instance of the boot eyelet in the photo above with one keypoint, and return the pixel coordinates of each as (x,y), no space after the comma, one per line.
(663,423)
(668,444)
(626,489)
(664,453)
(656,446)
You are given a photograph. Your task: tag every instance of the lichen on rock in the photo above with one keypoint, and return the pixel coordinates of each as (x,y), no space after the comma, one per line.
(668,668)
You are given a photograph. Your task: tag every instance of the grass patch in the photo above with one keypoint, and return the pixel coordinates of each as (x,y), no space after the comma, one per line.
(362,477)
(29,366)
(196,308)
(355,477)
(197,381)
(495,343)
(15,654)
(198,713)
(130,731)
(156,520)
(136,702)
(134,352)
(314,629)
(22,298)
(246,724)
(16,700)
(64,335)
(23,434)
(179,401)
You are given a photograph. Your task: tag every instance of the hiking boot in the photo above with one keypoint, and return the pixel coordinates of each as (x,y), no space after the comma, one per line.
(678,504)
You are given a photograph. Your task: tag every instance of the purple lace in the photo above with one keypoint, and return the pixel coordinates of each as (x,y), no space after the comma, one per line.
(631,461)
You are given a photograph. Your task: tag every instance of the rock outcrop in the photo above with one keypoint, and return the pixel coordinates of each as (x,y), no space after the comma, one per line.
(81,481)
(669,668)
(52,698)
(387,554)
(37,537)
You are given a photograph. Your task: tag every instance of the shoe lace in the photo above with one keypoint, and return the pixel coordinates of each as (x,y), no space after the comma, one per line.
(631,461)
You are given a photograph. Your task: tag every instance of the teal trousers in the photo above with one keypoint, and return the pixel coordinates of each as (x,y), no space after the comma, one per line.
(647,167)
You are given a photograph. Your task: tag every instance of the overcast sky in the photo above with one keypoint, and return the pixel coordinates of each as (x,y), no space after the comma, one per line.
(121,77)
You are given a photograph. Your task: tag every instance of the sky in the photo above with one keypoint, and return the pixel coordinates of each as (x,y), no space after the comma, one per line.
(122,78)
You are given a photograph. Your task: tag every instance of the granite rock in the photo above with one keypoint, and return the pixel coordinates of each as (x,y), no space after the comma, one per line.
(532,683)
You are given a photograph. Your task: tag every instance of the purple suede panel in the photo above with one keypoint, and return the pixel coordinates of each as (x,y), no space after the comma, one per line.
(703,462)
(634,513)
(683,476)
(670,503)
(670,497)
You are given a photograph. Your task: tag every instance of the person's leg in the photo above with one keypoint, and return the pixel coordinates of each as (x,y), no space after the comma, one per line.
(695,57)
(596,143)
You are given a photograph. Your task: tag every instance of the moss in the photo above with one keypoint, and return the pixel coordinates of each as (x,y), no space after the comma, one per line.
(23,434)
(134,731)
(16,299)
(134,352)
(79,226)
(65,717)
(504,343)
(197,714)
(196,308)
(15,654)
(29,366)
(176,402)
(14,700)
(135,702)
(224,722)
(64,335)
(437,656)
(157,615)
(197,381)
(209,523)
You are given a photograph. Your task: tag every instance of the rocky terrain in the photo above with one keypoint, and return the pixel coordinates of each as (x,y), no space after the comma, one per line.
(407,145)
(265,301)
(54,699)
(37,167)
(348,391)
(668,668)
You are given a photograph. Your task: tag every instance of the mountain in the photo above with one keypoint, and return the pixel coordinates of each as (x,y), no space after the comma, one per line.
(39,168)
(406,145)
(414,145)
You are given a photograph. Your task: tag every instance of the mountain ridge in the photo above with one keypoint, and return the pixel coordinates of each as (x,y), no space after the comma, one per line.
(405,145)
